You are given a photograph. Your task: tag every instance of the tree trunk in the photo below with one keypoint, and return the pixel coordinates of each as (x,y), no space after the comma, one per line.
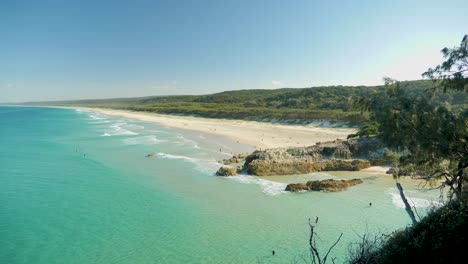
(407,205)
(461,167)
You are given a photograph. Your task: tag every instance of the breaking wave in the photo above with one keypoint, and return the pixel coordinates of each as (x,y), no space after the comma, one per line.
(268,187)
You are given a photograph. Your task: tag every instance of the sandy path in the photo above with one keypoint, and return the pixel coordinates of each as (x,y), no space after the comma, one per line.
(258,134)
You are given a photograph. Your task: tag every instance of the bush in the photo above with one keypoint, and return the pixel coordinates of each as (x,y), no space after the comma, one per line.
(437,238)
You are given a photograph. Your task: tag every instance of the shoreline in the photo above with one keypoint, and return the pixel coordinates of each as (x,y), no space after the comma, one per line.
(256,134)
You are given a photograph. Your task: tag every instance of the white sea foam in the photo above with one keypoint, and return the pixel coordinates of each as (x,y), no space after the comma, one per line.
(82,110)
(170,156)
(193,143)
(117,130)
(202,165)
(95,117)
(186,139)
(157,131)
(414,202)
(268,187)
(100,122)
(134,126)
(150,139)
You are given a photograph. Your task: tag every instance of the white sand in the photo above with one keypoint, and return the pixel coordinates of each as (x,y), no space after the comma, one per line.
(377,169)
(257,134)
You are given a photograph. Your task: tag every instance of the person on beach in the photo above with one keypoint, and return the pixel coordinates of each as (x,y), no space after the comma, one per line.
(316,219)
(273,253)
(370,204)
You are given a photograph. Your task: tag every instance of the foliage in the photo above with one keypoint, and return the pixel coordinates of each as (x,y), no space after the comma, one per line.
(369,129)
(453,72)
(433,133)
(437,238)
(430,129)
(334,103)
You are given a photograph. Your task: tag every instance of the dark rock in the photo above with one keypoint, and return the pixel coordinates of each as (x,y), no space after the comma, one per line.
(297,187)
(324,185)
(227,171)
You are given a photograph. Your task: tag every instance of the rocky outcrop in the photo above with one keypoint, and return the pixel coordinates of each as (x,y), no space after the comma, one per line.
(239,158)
(324,185)
(303,166)
(338,155)
(227,171)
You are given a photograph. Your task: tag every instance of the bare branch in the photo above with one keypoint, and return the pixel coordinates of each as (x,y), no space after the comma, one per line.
(330,249)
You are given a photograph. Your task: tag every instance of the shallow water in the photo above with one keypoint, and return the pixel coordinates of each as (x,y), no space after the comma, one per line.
(75,187)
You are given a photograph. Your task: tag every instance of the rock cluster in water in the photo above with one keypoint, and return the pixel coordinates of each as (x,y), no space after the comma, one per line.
(329,185)
(227,171)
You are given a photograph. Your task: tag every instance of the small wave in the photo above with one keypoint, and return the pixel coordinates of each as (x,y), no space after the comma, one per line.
(95,117)
(202,165)
(99,122)
(117,130)
(188,141)
(415,202)
(268,187)
(156,131)
(82,110)
(170,156)
(143,140)
(134,126)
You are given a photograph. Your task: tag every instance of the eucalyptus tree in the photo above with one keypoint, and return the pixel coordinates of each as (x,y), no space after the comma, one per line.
(431,132)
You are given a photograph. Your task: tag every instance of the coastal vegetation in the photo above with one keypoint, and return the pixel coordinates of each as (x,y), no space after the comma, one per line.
(432,135)
(288,105)
(439,237)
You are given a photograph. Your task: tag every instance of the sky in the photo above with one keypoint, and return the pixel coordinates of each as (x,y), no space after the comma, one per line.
(56,50)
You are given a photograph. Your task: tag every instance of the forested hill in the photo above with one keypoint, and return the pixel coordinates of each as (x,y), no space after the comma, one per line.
(298,105)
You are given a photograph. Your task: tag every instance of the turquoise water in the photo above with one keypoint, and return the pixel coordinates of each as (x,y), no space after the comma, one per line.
(75,187)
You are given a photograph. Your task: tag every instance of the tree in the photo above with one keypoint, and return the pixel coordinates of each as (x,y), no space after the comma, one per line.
(432,133)
(453,72)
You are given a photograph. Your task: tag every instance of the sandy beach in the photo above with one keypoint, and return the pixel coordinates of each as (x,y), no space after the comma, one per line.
(377,169)
(257,134)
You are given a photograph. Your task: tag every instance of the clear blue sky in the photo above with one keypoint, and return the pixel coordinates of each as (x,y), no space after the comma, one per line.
(52,50)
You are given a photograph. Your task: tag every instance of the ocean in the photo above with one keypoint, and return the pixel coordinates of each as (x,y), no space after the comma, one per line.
(76,187)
